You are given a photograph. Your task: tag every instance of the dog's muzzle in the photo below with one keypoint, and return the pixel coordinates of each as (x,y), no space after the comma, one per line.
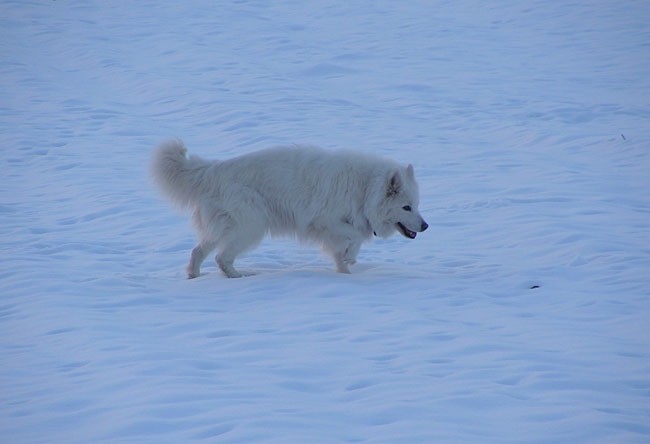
(410,233)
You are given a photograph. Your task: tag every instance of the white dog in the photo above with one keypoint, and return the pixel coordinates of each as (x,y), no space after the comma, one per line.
(338,199)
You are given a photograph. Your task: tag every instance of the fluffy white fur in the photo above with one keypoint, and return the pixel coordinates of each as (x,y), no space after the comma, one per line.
(336,198)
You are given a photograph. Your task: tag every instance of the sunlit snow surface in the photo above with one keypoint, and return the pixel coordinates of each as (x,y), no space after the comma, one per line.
(521,315)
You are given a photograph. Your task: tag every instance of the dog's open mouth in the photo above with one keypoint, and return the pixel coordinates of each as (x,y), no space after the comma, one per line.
(405,231)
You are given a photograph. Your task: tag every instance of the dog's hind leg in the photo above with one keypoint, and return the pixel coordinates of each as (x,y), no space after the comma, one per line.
(225,263)
(226,258)
(235,242)
(199,253)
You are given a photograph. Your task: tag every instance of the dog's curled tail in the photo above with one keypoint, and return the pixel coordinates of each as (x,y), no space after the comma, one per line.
(176,174)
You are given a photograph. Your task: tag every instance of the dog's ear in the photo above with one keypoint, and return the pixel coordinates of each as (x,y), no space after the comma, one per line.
(394,184)
(409,172)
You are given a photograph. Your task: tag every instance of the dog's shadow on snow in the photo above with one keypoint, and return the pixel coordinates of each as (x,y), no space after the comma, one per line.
(261,271)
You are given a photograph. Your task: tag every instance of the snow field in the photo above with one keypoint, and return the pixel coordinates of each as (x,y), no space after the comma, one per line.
(521,315)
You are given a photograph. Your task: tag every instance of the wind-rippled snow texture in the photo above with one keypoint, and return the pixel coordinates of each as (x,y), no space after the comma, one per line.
(521,315)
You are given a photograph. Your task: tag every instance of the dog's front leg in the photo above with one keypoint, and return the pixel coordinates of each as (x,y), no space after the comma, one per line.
(346,257)
(350,254)
(341,265)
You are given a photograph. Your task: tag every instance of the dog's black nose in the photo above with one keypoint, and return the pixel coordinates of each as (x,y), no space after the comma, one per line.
(424,226)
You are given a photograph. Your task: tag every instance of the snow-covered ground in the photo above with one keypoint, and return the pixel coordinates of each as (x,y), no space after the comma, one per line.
(521,315)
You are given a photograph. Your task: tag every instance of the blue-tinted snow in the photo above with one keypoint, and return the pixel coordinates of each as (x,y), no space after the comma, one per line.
(521,315)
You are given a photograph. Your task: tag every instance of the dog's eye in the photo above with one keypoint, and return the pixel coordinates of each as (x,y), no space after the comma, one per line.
(406,208)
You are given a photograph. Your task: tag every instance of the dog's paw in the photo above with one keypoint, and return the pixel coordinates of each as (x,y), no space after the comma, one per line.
(240,274)
(343,270)
(349,256)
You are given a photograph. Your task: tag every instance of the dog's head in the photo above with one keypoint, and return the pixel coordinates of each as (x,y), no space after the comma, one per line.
(398,207)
